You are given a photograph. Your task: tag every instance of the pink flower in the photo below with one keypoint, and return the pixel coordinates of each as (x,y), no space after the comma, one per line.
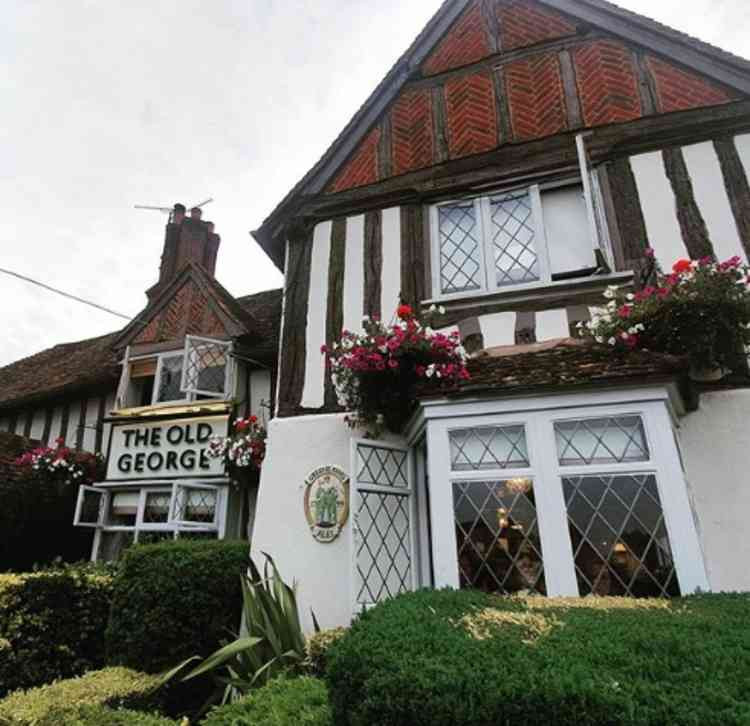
(392,363)
(624,311)
(420,371)
(649,252)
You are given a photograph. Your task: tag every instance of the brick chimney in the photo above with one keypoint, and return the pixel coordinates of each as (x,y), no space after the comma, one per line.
(187,239)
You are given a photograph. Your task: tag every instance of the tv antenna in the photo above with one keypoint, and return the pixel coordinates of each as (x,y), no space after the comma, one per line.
(169,210)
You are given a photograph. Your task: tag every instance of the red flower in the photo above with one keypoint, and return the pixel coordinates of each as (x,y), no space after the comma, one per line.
(404,312)
(253,419)
(625,311)
(682,266)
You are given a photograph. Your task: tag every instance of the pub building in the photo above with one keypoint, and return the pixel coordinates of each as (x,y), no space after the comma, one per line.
(521,157)
(151,396)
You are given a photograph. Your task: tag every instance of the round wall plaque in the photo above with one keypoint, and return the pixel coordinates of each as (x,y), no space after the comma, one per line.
(327,502)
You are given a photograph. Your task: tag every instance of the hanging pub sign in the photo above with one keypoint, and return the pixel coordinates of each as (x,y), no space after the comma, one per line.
(172,449)
(326,502)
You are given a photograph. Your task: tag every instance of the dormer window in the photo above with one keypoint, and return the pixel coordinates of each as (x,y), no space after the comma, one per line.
(202,370)
(520,237)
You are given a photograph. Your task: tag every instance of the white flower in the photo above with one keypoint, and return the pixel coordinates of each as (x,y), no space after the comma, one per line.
(441,310)
(630,296)
(612,341)
(432,309)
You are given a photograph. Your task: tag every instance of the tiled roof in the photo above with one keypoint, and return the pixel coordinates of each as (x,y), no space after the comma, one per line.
(11,447)
(561,364)
(92,363)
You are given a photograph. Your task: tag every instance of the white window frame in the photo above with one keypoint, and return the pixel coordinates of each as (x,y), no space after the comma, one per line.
(104,503)
(189,350)
(487,274)
(539,416)
(356,487)
(157,378)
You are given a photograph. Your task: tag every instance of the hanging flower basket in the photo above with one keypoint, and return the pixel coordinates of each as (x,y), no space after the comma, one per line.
(375,372)
(61,466)
(243,452)
(701,311)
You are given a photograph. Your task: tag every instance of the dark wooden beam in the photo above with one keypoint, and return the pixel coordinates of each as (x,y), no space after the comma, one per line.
(335,310)
(502,110)
(12,423)
(692,224)
(27,423)
(736,184)
(491,24)
(622,191)
(413,247)
(440,147)
(373,262)
(646,83)
(572,102)
(294,344)
(385,149)
(100,424)
(47,425)
(81,423)
(64,419)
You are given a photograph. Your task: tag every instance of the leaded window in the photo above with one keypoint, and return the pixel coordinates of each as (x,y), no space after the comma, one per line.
(382,466)
(488,447)
(497,535)
(461,262)
(615,439)
(513,233)
(206,367)
(169,379)
(620,541)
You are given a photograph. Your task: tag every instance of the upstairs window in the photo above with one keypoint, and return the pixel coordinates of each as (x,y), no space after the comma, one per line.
(503,240)
(206,369)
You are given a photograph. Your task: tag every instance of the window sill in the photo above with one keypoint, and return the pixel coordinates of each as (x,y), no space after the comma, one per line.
(175,408)
(541,293)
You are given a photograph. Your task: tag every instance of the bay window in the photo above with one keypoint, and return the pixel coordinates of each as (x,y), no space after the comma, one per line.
(575,500)
(502,240)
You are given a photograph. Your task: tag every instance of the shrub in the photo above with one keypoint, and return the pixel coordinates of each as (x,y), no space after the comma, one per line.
(174,599)
(52,624)
(301,701)
(115,687)
(103,716)
(318,647)
(469,659)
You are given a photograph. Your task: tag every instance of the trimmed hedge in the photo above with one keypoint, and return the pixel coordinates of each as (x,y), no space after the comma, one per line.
(173,600)
(461,658)
(52,624)
(114,687)
(103,716)
(301,701)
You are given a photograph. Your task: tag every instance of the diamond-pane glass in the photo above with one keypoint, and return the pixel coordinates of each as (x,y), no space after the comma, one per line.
(488,447)
(620,542)
(601,440)
(513,234)
(497,534)
(382,467)
(92,504)
(156,509)
(383,561)
(194,505)
(460,253)
(170,379)
(206,367)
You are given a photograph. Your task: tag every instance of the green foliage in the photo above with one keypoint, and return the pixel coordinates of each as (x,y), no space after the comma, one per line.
(300,701)
(114,687)
(273,641)
(52,624)
(174,599)
(318,646)
(103,716)
(461,658)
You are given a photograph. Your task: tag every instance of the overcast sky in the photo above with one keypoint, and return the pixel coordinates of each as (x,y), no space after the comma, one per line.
(108,104)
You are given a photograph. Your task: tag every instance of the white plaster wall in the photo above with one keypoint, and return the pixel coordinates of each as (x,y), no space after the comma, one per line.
(498,329)
(354,273)
(37,425)
(715,441)
(391,283)
(317,306)
(260,392)
(323,572)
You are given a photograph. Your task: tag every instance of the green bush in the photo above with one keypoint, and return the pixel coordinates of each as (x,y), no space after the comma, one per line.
(114,687)
(317,648)
(52,624)
(463,658)
(103,716)
(301,701)
(173,600)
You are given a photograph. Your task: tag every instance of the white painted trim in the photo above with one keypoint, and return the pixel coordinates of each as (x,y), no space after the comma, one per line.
(176,523)
(313,392)
(103,494)
(583,164)
(354,273)
(390,291)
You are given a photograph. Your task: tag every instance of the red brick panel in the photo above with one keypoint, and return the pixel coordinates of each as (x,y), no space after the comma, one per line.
(535,96)
(466,42)
(411,126)
(677,89)
(470,110)
(607,83)
(524,23)
(362,168)
(173,317)
(195,325)
(150,333)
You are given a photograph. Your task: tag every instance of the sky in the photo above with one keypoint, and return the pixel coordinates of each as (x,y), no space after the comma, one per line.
(109,104)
